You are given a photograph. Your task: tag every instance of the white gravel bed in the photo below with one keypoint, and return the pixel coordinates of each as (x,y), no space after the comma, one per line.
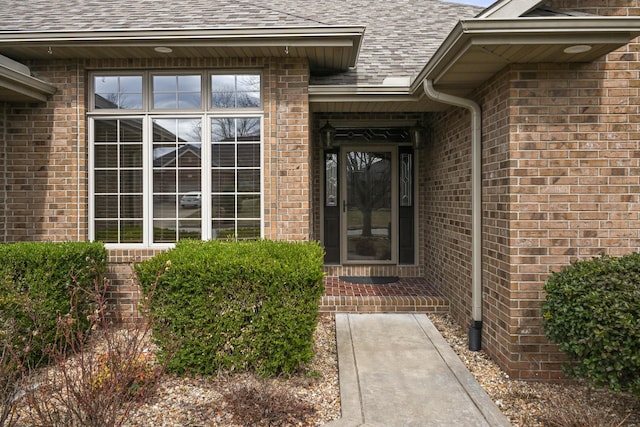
(538,404)
(308,399)
(312,398)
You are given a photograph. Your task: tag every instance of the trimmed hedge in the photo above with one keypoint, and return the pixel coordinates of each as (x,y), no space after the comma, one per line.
(592,310)
(36,280)
(235,306)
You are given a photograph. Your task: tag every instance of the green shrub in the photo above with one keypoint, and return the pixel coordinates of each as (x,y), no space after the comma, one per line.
(592,310)
(248,305)
(36,283)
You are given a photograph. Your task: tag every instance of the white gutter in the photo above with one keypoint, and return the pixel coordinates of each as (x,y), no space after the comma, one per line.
(475,331)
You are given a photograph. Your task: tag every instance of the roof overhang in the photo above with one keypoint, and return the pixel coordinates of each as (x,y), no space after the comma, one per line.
(476,49)
(334,48)
(17,85)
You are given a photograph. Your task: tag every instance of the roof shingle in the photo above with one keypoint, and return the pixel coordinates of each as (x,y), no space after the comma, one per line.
(400,37)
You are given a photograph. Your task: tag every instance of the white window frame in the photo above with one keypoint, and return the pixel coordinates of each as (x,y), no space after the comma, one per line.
(205,114)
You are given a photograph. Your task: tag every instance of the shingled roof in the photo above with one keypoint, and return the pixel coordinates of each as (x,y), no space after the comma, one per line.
(400,36)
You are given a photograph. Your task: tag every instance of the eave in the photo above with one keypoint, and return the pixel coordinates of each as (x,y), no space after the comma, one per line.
(16,86)
(334,48)
(368,98)
(477,49)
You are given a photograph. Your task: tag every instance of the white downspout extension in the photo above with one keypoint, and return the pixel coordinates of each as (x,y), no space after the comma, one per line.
(475,330)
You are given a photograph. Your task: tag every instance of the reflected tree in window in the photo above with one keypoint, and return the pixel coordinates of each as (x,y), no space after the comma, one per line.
(369,185)
(235,91)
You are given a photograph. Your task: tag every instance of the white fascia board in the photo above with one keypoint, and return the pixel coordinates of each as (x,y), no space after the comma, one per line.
(272,33)
(14,65)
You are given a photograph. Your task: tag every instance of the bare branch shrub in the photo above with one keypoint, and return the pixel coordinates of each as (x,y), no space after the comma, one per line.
(16,362)
(98,375)
(263,405)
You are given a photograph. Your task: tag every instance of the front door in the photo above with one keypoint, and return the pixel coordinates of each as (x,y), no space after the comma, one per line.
(368,205)
(368,213)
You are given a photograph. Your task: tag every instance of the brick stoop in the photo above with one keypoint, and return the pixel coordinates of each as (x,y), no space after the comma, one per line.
(407,295)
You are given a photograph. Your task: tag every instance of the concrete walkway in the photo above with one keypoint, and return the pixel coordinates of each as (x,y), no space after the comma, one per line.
(397,370)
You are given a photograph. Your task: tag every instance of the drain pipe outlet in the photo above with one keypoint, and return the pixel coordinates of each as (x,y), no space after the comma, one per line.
(475,330)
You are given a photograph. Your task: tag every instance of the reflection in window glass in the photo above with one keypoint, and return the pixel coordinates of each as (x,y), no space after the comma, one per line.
(118,92)
(176,92)
(118,180)
(236,199)
(177,165)
(331,179)
(148,164)
(235,90)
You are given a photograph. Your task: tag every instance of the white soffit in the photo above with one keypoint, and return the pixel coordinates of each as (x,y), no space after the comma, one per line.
(326,47)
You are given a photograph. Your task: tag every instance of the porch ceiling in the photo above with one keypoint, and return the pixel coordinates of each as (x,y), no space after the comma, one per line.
(476,49)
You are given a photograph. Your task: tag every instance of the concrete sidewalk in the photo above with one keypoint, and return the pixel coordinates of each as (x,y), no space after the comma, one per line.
(397,370)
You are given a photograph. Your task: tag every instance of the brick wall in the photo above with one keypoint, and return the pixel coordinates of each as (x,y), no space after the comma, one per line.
(575,130)
(45,181)
(599,7)
(445,183)
(561,177)
(287,152)
(561,181)
(44,155)
(497,256)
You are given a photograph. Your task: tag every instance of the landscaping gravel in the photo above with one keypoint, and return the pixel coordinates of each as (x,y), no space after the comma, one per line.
(537,404)
(311,398)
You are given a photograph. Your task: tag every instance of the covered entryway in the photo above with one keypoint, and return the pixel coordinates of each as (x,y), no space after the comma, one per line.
(368,198)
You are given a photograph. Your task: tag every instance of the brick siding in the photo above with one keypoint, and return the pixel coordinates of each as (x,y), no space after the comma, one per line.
(44,160)
(561,177)
(44,156)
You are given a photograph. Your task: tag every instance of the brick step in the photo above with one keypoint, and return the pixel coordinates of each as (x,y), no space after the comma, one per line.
(407,295)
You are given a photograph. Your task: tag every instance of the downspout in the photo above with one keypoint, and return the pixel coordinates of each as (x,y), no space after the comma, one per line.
(475,330)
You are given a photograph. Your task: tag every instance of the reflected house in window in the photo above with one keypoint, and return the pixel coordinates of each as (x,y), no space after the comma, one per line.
(187,156)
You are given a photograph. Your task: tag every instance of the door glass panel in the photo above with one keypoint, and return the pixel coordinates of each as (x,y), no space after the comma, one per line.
(331,179)
(368,205)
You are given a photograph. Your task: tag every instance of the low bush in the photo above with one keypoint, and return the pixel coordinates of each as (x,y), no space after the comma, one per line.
(592,311)
(35,283)
(38,286)
(249,305)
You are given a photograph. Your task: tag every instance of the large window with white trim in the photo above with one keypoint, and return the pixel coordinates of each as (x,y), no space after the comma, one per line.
(175,156)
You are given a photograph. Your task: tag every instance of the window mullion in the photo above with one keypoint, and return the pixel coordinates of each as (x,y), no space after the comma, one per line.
(205,174)
(147,165)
